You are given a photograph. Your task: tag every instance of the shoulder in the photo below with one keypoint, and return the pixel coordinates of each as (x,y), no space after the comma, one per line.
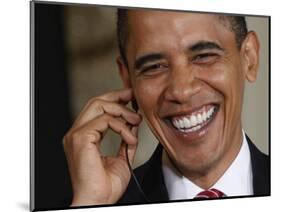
(257,156)
(261,170)
(149,180)
(132,194)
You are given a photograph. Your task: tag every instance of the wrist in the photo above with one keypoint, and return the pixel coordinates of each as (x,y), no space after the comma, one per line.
(84,200)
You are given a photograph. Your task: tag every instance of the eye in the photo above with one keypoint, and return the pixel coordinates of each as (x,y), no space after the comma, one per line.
(205,58)
(153,69)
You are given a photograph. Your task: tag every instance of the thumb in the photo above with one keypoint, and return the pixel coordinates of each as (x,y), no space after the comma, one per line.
(129,150)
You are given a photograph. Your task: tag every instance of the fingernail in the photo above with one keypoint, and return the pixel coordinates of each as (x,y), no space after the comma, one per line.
(135,130)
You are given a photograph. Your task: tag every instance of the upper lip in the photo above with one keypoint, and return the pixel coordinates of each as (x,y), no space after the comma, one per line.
(186,111)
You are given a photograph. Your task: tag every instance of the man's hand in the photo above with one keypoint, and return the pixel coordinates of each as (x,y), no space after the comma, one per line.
(97,179)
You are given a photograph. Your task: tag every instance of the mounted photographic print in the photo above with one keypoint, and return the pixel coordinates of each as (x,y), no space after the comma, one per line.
(139,106)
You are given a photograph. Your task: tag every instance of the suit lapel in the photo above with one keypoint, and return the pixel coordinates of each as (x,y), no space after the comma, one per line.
(153,183)
(260,169)
(155,189)
(151,178)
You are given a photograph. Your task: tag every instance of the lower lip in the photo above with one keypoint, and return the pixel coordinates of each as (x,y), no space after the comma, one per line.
(194,135)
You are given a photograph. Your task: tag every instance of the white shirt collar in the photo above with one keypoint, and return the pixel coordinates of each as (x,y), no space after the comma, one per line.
(236,181)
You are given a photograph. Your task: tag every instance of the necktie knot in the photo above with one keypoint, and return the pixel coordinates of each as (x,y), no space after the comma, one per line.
(210,194)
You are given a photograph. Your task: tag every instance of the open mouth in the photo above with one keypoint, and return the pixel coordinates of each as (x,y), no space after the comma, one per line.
(196,120)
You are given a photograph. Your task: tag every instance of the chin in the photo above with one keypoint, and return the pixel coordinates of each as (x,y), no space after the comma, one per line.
(194,140)
(200,165)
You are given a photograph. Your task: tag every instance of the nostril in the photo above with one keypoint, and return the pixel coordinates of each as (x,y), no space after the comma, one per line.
(181,93)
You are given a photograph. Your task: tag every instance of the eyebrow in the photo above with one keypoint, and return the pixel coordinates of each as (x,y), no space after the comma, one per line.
(204,45)
(147,58)
(198,46)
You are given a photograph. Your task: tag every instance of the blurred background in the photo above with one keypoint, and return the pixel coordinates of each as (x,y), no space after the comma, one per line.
(75,51)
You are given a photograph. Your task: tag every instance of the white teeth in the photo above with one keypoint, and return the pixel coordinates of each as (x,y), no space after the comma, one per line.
(187,123)
(181,123)
(194,122)
(204,116)
(176,123)
(199,119)
(209,114)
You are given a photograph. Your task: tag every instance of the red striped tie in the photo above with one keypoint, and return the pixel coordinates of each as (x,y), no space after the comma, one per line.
(210,194)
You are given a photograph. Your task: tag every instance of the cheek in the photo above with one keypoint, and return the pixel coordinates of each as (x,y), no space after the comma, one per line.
(225,79)
(228,81)
(148,96)
(147,93)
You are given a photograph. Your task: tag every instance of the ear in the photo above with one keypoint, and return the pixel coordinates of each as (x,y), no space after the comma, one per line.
(124,72)
(250,53)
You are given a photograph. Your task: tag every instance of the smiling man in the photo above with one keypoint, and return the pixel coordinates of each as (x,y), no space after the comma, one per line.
(186,74)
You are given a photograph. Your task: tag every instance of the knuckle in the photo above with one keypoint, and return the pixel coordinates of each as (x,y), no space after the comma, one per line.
(96,136)
(89,102)
(78,138)
(111,121)
(109,95)
(66,138)
(71,138)
(95,102)
(107,118)
(75,136)
(98,105)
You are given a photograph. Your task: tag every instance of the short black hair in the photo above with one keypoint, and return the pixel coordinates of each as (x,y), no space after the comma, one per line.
(237,24)
(122,32)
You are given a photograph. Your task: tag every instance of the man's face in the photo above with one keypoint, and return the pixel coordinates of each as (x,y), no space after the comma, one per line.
(187,75)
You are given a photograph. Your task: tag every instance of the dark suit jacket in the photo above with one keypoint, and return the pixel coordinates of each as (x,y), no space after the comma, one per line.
(151,178)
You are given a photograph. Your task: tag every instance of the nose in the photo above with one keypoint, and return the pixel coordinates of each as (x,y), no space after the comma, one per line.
(182,85)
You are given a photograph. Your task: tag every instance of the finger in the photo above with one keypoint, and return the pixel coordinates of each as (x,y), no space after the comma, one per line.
(93,131)
(123,130)
(118,96)
(118,110)
(93,107)
(135,131)
(121,95)
(130,150)
(100,107)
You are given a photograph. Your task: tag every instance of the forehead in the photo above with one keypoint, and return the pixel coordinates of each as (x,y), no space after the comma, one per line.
(147,27)
(149,15)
